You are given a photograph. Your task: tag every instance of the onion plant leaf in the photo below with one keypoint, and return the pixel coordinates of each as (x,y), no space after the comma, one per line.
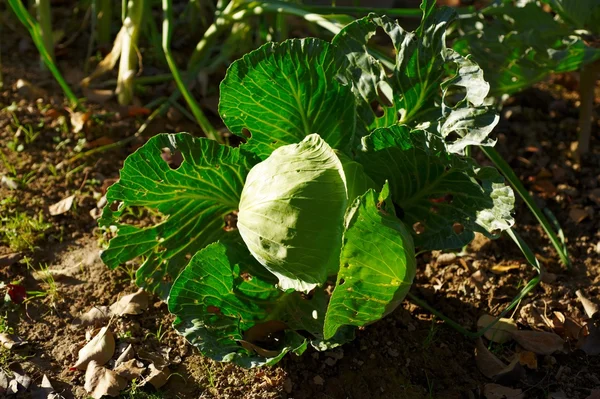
(443,197)
(192,200)
(282,92)
(377,264)
(428,84)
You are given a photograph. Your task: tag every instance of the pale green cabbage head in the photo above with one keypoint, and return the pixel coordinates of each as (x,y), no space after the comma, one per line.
(291,213)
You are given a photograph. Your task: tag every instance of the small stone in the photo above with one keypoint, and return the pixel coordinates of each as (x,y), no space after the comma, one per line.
(393,353)
(330,361)
(318,380)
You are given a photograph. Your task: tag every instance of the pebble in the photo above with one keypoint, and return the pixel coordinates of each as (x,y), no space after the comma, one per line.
(318,380)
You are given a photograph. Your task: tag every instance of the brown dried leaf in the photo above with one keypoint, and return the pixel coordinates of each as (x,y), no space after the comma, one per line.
(590,343)
(486,361)
(501,269)
(157,378)
(126,355)
(130,370)
(133,304)
(495,391)
(500,332)
(97,314)
(78,120)
(100,349)
(529,359)
(572,329)
(540,342)
(61,206)
(10,341)
(591,308)
(100,381)
(578,215)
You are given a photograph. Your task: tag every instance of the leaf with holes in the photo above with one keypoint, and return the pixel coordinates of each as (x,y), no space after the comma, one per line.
(445,198)
(283,92)
(378,264)
(428,82)
(187,205)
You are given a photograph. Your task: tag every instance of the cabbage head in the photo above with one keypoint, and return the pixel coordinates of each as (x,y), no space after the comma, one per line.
(291,213)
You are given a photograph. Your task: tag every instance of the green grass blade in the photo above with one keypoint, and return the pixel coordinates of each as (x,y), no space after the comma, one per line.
(34,30)
(510,175)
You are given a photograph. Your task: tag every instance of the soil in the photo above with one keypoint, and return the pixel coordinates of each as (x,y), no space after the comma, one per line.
(409,354)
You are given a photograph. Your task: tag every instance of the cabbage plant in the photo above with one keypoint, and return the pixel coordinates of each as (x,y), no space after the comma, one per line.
(308,230)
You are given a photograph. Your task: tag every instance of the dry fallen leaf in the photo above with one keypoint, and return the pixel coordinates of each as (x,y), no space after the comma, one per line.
(540,342)
(100,381)
(126,355)
(10,259)
(499,332)
(157,378)
(78,120)
(495,391)
(591,308)
(134,303)
(578,215)
(10,341)
(97,314)
(590,343)
(61,206)
(529,359)
(45,390)
(130,369)
(501,269)
(100,349)
(486,361)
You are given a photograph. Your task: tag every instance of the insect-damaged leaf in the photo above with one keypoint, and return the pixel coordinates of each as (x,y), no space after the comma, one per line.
(429,83)
(283,92)
(444,198)
(193,201)
(377,264)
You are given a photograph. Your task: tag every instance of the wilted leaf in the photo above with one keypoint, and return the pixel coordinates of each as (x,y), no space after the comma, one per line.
(157,378)
(487,362)
(61,206)
(495,391)
(100,381)
(529,359)
(130,369)
(540,342)
(100,349)
(499,332)
(131,304)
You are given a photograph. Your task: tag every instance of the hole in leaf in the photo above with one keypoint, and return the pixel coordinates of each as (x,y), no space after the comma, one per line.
(419,228)
(246,133)
(377,109)
(173,159)
(230,221)
(383,98)
(452,137)
(213,309)
(114,206)
(246,276)
(458,227)
(382,42)
(342,281)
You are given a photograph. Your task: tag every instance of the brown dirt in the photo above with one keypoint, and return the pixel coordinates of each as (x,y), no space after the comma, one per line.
(410,354)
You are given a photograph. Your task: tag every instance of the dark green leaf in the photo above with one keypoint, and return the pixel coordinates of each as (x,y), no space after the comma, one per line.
(192,200)
(444,198)
(283,92)
(377,265)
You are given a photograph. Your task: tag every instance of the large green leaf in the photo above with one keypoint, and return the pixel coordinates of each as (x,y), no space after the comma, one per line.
(427,80)
(193,201)
(580,14)
(445,198)
(283,92)
(222,293)
(519,46)
(378,264)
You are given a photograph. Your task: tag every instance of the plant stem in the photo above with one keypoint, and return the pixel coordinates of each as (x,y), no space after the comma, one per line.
(204,123)
(34,30)
(103,21)
(129,53)
(512,178)
(44,18)
(587,84)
